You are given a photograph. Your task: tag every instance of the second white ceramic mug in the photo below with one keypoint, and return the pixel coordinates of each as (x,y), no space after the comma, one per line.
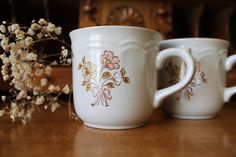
(204,97)
(114,75)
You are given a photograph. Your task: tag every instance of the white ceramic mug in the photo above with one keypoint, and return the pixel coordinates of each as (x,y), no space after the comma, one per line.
(114,75)
(203,98)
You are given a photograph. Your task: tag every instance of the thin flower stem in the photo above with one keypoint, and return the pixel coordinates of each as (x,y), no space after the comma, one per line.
(52,38)
(59,94)
(106,81)
(101,74)
(52,55)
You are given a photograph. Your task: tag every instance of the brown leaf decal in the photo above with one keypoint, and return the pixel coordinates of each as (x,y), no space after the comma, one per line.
(83,60)
(203,77)
(193,84)
(126,79)
(198,79)
(110,85)
(202,74)
(88,87)
(113,78)
(80,66)
(84,83)
(106,75)
(122,71)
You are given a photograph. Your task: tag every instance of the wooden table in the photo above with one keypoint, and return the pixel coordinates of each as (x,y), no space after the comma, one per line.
(53,135)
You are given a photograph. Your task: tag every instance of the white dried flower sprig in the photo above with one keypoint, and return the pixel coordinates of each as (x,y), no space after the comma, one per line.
(21,62)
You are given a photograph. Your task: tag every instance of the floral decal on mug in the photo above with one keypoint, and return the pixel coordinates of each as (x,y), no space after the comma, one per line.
(100,83)
(198,80)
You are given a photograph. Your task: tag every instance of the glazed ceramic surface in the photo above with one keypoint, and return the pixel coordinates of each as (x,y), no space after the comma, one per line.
(203,98)
(114,75)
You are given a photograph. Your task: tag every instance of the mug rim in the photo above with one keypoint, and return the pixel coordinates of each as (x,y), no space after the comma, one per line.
(114,27)
(194,39)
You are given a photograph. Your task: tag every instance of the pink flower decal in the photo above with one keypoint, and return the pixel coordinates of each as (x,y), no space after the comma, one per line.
(101,84)
(198,80)
(109,61)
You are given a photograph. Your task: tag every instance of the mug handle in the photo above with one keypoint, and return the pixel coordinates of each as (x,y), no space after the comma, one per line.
(229,62)
(162,56)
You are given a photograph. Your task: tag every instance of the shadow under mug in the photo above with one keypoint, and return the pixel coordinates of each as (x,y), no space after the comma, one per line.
(115,76)
(203,98)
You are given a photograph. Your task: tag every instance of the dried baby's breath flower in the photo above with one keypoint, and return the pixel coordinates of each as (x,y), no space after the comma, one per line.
(32,57)
(4,98)
(45,107)
(66,89)
(2,28)
(69,60)
(64,56)
(42,21)
(21,94)
(5,60)
(29,113)
(40,100)
(35,27)
(57,88)
(28,41)
(39,72)
(36,90)
(24,121)
(51,27)
(19,34)
(21,113)
(40,36)
(14,111)
(2,112)
(64,53)
(29,97)
(22,65)
(2,36)
(54,106)
(31,32)
(5,43)
(48,70)
(13,27)
(54,63)
(51,88)
(58,30)
(43,82)
(6,77)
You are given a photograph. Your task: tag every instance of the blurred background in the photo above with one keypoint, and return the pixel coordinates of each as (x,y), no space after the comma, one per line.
(173,18)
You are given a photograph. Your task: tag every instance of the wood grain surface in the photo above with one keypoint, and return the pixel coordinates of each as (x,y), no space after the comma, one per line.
(53,134)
